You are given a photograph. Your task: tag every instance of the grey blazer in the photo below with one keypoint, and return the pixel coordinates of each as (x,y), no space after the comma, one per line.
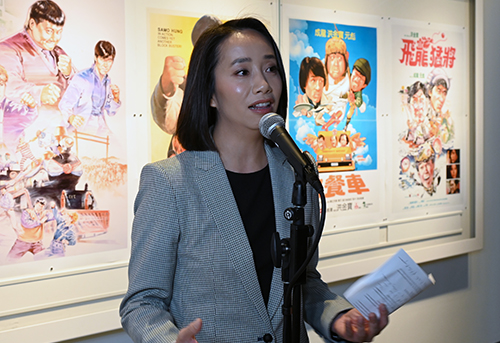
(191,258)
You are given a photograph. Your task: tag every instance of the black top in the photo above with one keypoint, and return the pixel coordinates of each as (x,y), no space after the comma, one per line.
(254,197)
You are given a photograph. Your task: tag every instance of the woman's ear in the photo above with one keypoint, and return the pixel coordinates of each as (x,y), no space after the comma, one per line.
(213,102)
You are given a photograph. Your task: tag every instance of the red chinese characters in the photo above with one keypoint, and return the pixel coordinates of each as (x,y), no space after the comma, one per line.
(423,53)
(335,184)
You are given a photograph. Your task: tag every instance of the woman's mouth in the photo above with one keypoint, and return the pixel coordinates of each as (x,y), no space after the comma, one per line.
(261,106)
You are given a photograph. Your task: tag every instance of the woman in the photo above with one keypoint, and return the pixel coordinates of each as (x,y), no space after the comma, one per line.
(453,156)
(452,171)
(204,218)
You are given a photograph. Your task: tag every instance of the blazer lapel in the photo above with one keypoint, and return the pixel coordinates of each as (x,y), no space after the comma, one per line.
(217,194)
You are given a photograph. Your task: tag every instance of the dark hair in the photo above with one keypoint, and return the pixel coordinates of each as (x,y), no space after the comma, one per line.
(346,137)
(448,171)
(457,152)
(414,88)
(47,10)
(440,82)
(313,64)
(40,201)
(104,49)
(196,115)
(431,158)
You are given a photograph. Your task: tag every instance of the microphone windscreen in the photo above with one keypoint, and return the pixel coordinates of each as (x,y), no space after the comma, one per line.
(268,123)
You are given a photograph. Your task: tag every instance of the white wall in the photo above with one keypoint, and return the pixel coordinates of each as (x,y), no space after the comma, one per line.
(464,306)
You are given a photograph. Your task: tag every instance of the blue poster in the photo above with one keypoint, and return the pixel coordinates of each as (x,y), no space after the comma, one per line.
(333,94)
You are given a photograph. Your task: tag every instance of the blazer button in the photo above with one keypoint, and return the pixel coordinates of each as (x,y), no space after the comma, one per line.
(268,338)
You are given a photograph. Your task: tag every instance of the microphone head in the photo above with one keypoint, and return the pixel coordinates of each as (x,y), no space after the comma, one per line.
(269,122)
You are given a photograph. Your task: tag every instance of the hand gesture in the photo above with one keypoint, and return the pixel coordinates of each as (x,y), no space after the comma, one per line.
(76,121)
(116,93)
(64,65)
(28,100)
(31,213)
(187,334)
(50,94)
(357,140)
(352,326)
(173,74)
(351,97)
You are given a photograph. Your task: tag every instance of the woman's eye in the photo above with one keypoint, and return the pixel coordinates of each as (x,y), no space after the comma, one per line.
(272,69)
(242,72)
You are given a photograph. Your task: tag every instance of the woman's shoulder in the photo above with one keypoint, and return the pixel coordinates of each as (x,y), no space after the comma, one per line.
(183,165)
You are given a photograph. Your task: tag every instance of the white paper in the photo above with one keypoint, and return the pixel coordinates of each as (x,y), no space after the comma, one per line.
(394,283)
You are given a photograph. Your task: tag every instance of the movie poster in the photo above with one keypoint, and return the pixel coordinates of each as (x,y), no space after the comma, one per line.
(171,40)
(429,116)
(170,45)
(63,166)
(333,111)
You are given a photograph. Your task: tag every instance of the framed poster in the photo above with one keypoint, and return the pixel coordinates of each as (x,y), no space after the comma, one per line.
(63,170)
(64,157)
(57,297)
(172,36)
(430,119)
(352,106)
(333,76)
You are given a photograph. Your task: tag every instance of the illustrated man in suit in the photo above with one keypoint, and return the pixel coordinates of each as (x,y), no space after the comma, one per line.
(36,64)
(91,96)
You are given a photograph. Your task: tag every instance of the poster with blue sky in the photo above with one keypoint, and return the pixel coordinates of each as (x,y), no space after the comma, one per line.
(333,93)
(333,62)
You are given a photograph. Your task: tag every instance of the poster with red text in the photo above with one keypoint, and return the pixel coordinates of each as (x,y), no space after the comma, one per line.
(333,105)
(429,119)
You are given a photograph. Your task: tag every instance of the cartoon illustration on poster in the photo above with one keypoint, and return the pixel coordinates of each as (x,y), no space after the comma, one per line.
(172,39)
(63,171)
(333,77)
(333,107)
(428,116)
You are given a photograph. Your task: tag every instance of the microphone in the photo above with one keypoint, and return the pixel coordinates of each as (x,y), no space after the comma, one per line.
(272,126)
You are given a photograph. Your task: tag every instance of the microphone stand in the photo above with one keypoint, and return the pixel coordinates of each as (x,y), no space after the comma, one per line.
(290,254)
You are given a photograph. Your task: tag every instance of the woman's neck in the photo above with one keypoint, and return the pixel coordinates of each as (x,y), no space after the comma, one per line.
(241,153)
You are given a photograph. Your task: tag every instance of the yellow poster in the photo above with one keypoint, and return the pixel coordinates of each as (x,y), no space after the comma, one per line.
(170,49)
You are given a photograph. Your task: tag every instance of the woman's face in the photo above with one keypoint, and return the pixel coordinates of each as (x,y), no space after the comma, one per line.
(247,82)
(454,171)
(453,156)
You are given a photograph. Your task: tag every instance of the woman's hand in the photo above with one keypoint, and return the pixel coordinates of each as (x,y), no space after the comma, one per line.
(187,334)
(353,327)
